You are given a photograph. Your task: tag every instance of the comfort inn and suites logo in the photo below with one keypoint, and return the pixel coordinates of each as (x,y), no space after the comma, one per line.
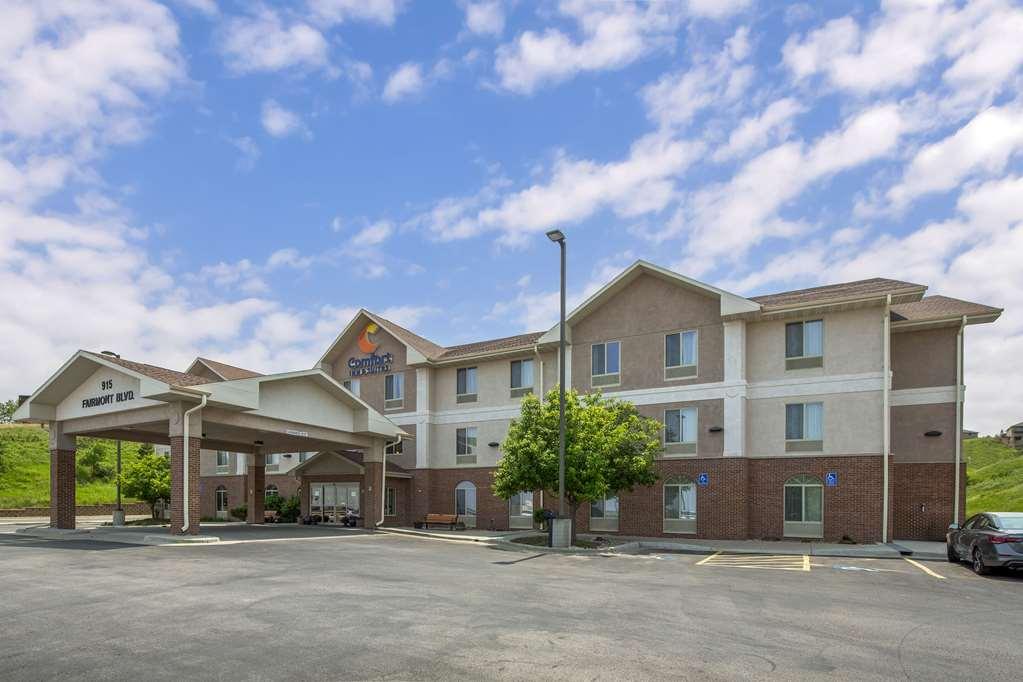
(372,363)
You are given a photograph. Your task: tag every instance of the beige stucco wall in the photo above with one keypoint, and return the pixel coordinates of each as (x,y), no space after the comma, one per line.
(304,402)
(911,422)
(924,358)
(371,388)
(442,451)
(639,316)
(852,345)
(493,384)
(852,424)
(709,413)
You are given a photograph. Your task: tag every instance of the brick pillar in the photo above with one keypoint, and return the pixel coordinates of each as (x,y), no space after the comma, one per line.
(177,460)
(373,500)
(62,488)
(257,487)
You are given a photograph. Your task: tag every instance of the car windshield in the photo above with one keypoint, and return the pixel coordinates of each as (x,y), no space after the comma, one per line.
(1010,522)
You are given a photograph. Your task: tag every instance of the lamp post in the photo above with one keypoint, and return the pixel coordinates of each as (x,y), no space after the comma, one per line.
(558,237)
(119,512)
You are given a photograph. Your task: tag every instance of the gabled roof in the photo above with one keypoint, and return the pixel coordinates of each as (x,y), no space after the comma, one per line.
(937,308)
(508,343)
(167,376)
(410,338)
(222,370)
(877,286)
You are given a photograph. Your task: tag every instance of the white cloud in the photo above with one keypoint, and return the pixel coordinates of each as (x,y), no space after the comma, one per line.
(249,153)
(756,132)
(485,18)
(281,122)
(717,9)
(407,80)
(372,11)
(986,143)
(613,35)
(264,42)
(373,234)
(206,7)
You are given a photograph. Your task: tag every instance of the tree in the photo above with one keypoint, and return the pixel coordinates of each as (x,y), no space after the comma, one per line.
(7,409)
(94,463)
(148,479)
(609,448)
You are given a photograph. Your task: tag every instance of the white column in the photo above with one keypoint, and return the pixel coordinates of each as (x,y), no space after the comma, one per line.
(735,393)
(423,375)
(423,444)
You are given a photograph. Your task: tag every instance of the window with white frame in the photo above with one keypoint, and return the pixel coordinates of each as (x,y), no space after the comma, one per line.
(223,461)
(605,364)
(604,513)
(521,377)
(679,505)
(680,430)
(804,344)
(680,355)
(390,502)
(465,385)
(394,391)
(465,445)
(393,447)
(272,461)
(221,499)
(804,427)
(270,492)
(804,507)
(354,386)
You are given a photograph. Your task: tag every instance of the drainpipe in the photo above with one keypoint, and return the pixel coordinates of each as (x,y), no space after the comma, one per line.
(959,415)
(887,416)
(184,461)
(383,487)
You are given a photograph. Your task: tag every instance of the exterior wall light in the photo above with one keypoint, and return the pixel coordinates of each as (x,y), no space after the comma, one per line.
(932,434)
(493,444)
(715,429)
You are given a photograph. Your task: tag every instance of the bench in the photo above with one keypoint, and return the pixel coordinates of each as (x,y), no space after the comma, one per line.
(449,520)
(271,516)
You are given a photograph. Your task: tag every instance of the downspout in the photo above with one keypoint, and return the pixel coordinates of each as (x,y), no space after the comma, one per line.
(959,415)
(887,415)
(383,486)
(184,462)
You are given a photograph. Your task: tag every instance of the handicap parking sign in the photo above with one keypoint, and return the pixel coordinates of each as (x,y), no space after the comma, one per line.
(831,479)
(702,479)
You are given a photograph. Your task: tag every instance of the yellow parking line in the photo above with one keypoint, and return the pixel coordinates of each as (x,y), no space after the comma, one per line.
(706,559)
(806,563)
(924,569)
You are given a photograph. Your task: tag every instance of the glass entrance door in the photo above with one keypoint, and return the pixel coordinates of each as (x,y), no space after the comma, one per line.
(332,501)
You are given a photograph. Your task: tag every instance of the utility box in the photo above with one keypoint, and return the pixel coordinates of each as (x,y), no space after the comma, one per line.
(561,532)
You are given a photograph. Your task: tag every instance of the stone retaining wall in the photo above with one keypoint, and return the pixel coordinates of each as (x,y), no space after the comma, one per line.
(131,508)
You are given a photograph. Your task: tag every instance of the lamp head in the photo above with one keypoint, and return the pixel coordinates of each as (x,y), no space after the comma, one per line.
(556,235)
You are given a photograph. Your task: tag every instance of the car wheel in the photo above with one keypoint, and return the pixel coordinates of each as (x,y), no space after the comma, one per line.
(979,567)
(952,556)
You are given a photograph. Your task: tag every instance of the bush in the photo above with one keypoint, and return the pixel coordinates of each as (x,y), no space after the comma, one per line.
(290,509)
(240,512)
(540,518)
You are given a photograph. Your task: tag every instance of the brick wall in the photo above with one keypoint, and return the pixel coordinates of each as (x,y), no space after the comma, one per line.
(62,488)
(439,490)
(402,501)
(194,501)
(923,497)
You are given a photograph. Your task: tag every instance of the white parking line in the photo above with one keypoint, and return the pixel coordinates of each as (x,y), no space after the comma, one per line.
(924,569)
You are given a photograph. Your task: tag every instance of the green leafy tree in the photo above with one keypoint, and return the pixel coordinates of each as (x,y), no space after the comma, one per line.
(609,448)
(7,409)
(94,463)
(147,478)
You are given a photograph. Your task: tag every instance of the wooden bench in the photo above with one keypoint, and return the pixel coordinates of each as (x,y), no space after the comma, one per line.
(271,516)
(449,520)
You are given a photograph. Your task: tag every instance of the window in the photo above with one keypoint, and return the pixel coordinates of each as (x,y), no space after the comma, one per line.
(680,431)
(804,507)
(353,386)
(465,445)
(679,505)
(465,503)
(393,448)
(804,427)
(680,355)
(605,368)
(521,378)
(223,461)
(221,497)
(390,502)
(520,510)
(604,513)
(465,385)
(394,391)
(270,492)
(303,456)
(804,344)
(272,461)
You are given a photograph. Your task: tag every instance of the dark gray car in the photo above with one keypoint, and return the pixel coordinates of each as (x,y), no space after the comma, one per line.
(989,540)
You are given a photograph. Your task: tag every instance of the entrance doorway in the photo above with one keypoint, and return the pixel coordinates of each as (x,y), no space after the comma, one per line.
(465,503)
(331,502)
(221,494)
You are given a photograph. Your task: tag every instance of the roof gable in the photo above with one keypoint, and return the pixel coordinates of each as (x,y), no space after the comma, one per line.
(219,370)
(419,349)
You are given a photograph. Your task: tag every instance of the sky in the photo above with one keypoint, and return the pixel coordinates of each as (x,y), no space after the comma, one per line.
(237,179)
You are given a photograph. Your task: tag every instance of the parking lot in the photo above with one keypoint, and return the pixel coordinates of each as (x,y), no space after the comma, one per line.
(354,605)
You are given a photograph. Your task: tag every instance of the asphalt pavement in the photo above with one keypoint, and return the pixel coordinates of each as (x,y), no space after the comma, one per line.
(374,606)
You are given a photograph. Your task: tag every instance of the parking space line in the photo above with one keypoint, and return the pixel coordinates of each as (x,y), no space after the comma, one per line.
(924,569)
(704,560)
(806,563)
(767,562)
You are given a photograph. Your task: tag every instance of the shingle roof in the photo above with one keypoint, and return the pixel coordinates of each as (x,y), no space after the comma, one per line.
(229,372)
(492,346)
(863,287)
(424,346)
(167,376)
(938,308)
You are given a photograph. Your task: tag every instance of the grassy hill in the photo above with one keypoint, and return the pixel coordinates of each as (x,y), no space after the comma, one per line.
(25,468)
(994,476)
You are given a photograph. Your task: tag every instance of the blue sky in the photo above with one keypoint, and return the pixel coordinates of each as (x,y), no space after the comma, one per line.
(237,179)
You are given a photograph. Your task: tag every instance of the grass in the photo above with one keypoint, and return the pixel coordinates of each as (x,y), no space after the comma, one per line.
(25,468)
(994,476)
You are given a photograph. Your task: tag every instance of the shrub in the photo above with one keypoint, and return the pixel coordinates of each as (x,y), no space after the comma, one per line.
(290,509)
(240,512)
(93,464)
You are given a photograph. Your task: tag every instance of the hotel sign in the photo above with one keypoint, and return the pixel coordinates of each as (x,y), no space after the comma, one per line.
(371,363)
(108,398)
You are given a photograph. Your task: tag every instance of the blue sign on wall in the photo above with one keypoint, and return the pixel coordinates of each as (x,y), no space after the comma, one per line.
(831,479)
(702,479)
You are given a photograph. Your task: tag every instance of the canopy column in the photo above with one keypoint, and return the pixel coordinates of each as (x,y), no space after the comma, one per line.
(256,487)
(373,484)
(62,477)
(179,470)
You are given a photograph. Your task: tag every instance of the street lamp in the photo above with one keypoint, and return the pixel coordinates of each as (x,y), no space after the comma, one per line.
(558,237)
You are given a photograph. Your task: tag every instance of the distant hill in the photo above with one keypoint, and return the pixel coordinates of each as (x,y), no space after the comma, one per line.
(25,468)
(994,476)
